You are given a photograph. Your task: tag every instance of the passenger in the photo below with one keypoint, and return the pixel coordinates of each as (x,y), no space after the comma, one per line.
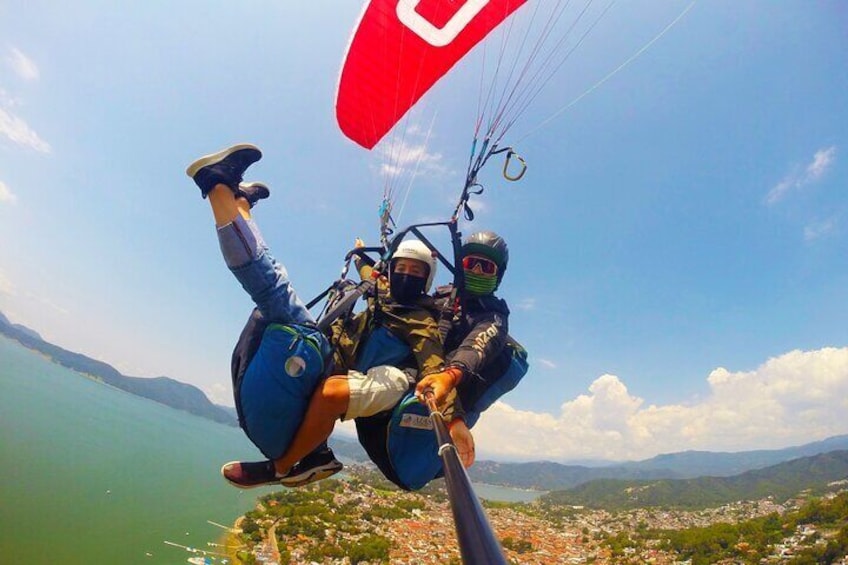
(285,405)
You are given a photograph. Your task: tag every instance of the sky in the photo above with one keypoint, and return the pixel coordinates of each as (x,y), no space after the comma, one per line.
(677,246)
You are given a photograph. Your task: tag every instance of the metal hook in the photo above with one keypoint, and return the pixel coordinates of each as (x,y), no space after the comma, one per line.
(523,163)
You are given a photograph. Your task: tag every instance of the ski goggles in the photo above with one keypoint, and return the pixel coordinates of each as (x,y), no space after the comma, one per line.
(487,267)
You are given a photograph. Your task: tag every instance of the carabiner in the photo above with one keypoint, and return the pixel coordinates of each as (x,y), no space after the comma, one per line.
(520,174)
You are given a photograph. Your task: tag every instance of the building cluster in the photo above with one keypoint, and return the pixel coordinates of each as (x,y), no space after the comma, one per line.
(426,535)
(804,537)
(656,518)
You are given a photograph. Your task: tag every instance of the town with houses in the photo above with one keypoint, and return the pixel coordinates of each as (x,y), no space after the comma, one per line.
(417,529)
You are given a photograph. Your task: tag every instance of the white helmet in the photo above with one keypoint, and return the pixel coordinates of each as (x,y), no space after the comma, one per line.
(415,249)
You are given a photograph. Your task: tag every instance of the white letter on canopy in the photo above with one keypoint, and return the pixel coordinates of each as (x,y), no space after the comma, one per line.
(438,37)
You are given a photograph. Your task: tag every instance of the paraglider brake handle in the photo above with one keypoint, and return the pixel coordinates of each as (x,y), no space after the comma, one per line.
(362,252)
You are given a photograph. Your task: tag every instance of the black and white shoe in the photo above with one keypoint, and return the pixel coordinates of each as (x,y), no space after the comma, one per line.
(253,192)
(224,167)
(316,466)
(250,474)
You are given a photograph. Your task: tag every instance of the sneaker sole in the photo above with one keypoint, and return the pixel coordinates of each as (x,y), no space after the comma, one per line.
(213,158)
(246,191)
(254,184)
(312,476)
(239,485)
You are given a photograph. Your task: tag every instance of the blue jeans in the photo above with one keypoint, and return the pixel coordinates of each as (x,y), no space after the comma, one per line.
(262,276)
(289,363)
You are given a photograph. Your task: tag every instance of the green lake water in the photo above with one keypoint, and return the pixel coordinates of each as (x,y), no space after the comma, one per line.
(94,475)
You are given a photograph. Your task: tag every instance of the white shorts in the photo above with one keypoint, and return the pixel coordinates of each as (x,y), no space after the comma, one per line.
(379,389)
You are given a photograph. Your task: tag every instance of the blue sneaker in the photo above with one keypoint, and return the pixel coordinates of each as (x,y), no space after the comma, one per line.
(253,192)
(224,167)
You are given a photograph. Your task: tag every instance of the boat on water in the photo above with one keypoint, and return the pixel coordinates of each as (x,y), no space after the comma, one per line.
(204,560)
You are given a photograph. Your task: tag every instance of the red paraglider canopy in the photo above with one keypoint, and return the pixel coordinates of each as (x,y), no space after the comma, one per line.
(399,50)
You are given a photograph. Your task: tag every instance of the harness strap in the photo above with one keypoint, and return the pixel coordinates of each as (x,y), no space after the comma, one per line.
(344,304)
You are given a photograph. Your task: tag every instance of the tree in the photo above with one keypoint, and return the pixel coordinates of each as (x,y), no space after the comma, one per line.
(370,548)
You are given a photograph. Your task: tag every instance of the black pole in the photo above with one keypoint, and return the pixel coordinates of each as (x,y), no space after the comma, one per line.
(477,542)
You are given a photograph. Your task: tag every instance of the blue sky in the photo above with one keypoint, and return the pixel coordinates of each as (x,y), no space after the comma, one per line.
(678,245)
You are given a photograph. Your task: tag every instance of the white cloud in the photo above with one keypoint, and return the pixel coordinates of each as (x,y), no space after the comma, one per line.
(409,159)
(19,131)
(795,398)
(6,195)
(23,66)
(346,428)
(819,230)
(47,302)
(7,100)
(525,304)
(547,363)
(405,154)
(6,286)
(822,162)
(781,188)
(220,393)
(479,206)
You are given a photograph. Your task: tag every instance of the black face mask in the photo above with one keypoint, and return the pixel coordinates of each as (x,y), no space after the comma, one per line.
(406,289)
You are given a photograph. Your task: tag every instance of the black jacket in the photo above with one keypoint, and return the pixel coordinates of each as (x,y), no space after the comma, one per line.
(475,337)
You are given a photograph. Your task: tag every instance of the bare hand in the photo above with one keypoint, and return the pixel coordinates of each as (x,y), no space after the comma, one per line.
(441,383)
(464,442)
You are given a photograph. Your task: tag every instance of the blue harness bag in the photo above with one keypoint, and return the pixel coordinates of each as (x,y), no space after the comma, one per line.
(278,384)
(411,441)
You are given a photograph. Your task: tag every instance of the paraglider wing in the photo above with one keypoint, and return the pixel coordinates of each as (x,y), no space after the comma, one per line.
(399,50)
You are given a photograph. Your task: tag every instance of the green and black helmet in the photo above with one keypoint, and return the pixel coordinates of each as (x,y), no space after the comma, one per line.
(490,245)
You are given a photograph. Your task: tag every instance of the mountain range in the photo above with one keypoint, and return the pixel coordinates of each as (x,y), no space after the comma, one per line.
(547,475)
(164,390)
(782,481)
